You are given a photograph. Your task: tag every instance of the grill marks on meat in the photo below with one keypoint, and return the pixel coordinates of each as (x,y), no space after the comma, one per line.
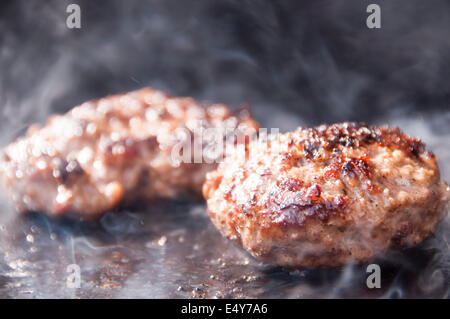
(110,151)
(328,195)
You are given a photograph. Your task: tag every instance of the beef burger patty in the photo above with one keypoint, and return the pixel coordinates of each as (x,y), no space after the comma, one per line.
(328,195)
(110,151)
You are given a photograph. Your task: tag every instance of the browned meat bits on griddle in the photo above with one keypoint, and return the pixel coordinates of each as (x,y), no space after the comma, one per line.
(116,149)
(328,195)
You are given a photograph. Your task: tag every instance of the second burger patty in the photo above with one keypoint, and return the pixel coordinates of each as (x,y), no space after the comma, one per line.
(113,150)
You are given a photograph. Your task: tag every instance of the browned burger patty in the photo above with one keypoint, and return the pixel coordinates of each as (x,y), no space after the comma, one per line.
(112,150)
(328,195)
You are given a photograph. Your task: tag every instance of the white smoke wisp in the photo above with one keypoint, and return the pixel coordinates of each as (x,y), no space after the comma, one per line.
(296,65)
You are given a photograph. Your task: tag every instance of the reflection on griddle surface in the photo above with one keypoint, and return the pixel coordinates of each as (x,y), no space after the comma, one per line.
(173,251)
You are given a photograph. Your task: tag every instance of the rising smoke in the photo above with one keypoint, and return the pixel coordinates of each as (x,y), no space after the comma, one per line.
(295,62)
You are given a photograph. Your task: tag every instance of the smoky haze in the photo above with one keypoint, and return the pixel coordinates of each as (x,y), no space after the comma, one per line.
(316,59)
(294,62)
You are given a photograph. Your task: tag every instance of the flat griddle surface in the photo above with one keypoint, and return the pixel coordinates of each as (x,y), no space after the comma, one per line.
(171,250)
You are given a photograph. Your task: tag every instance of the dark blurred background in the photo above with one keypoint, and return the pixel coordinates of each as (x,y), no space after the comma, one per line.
(316,59)
(294,62)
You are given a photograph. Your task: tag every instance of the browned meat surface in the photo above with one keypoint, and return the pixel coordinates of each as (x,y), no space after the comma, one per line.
(110,151)
(328,195)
